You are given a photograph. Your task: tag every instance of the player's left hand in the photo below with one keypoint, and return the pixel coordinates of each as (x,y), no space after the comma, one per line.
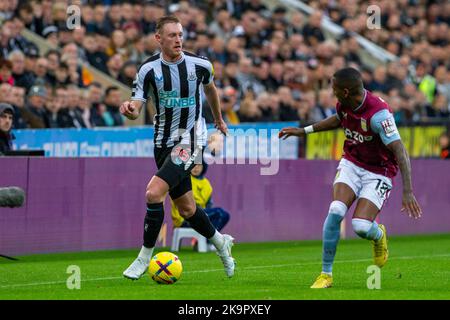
(411,206)
(291,131)
(221,126)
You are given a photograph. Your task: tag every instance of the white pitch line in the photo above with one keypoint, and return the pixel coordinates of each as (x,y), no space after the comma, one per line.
(244,268)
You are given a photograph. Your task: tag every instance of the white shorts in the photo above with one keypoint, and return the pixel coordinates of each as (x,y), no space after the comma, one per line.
(365,184)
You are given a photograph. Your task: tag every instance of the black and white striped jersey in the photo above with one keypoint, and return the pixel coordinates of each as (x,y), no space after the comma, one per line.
(174,88)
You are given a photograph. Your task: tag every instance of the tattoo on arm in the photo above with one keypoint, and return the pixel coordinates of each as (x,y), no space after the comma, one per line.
(400,153)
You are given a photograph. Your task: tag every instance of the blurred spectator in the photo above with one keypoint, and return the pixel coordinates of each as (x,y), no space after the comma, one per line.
(62,75)
(118,44)
(312,31)
(439,108)
(229,105)
(31,55)
(23,117)
(6,72)
(40,71)
(107,114)
(37,97)
(444,144)
(32,20)
(72,116)
(221,26)
(114,65)
(249,110)
(128,73)
(442,76)
(22,78)
(85,108)
(325,106)
(53,61)
(268,104)
(288,106)
(6,122)
(50,33)
(378,82)
(52,111)
(425,82)
(97,58)
(95,94)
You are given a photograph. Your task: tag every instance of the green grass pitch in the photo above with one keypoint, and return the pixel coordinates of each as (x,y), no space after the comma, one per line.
(418,268)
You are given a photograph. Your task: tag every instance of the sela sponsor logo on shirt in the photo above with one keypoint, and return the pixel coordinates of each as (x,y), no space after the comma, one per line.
(389,127)
(171,99)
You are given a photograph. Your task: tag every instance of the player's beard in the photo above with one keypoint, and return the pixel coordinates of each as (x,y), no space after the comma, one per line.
(174,53)
(348,102)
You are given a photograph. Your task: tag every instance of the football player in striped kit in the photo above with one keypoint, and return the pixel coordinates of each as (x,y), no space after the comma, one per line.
(173,79)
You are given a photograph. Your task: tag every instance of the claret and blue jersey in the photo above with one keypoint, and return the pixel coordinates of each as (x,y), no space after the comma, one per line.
(369,129)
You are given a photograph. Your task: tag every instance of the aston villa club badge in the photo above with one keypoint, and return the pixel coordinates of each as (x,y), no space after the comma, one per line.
(364,125)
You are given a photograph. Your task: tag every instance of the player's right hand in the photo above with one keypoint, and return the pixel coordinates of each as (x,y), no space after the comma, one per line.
(129,110)
(411,206)
(291,131)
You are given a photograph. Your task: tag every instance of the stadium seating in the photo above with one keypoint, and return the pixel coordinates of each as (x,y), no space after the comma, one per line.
(259,49)
(182,233)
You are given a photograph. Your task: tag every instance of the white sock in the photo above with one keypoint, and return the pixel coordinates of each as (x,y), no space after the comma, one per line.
(328,273)
(217,240)
(146,253)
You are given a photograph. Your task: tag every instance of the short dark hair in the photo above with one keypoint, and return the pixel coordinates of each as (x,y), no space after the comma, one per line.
(53,51)
(165,20)
(349,78)
(109,89)
(6,63)
(24,6)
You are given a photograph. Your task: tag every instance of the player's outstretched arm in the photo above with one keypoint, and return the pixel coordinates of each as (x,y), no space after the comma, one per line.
(409,202)
(329,123)
(131,109)
(213,99)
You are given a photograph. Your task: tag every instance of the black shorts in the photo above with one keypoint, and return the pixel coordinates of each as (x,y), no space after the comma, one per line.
(174,167)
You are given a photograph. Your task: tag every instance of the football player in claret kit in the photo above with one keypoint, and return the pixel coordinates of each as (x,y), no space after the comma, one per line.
(373,152)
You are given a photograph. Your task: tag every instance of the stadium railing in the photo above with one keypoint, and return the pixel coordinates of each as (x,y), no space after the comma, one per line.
(371,54)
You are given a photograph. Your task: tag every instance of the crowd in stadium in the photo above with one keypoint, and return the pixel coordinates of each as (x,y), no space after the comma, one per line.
(270,65)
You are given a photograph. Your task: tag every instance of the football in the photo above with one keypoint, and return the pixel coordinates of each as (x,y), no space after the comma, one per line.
(165,268)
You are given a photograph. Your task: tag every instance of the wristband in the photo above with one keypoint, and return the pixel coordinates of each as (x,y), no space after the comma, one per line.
(309,129)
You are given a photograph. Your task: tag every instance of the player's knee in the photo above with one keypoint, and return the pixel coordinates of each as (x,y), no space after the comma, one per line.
(153,195)
(187,210)
(361,227)
(338,207)
(336,213)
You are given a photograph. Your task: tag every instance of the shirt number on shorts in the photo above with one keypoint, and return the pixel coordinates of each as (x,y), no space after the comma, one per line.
(382,188)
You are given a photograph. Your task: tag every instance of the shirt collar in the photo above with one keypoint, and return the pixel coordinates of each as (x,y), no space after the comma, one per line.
(362,103)
(172,63)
